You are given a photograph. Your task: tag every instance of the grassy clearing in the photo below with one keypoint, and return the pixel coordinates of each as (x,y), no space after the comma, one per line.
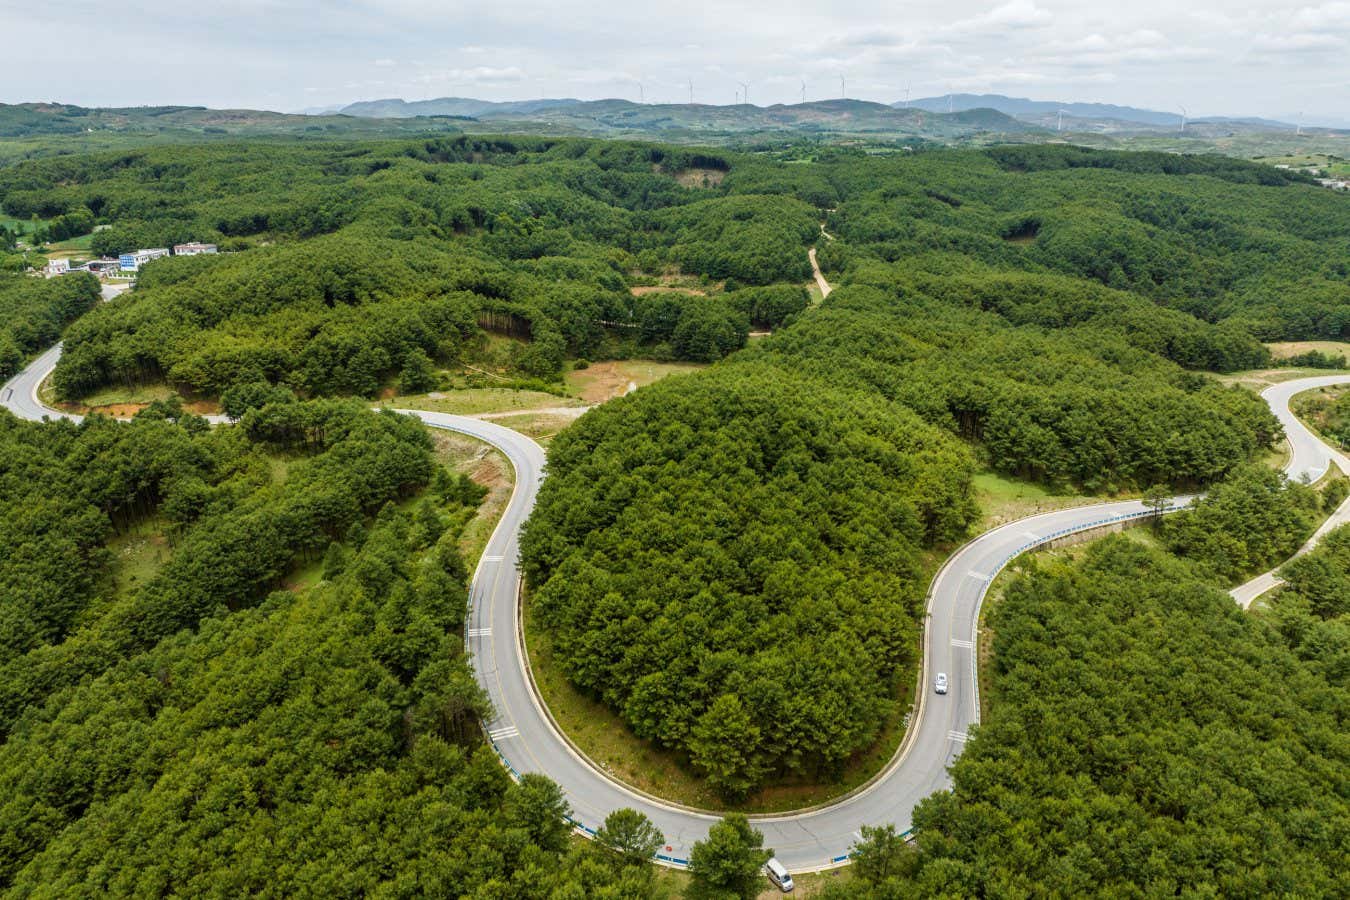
(304,575)
(1278,457)
(671,883)
(813,290)
(137,555)
(474,401)
(1005,499)
(673,280)
(81,244)
(603,381)
(1335,165)
(1286,349)
(116,395)
(604,738)
(22,226)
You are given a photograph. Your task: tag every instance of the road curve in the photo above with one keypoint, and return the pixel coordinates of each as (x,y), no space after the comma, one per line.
(526,740)
(1309,457)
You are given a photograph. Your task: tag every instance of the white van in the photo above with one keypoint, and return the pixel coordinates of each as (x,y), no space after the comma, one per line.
(778,875)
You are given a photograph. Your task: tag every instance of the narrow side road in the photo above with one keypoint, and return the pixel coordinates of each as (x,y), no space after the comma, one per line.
(820,278)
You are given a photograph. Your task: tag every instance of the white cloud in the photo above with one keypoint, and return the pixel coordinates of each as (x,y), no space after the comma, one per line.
(1301,42)
(1326,16)
(1015,14)
(472,75)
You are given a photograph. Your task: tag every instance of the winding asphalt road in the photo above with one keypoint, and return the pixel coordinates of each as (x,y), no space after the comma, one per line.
(1309,457)
(527,741)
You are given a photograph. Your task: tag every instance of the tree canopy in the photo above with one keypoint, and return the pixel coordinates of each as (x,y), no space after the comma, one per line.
(33,313)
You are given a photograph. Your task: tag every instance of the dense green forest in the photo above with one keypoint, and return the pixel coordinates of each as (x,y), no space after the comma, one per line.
(1217,238)
(202,731)
(542,238)
(1312,609)
(33,313)
(1248,524)
(237,525)
(1145,737)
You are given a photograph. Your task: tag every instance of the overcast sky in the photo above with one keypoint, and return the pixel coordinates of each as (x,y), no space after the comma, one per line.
(1254,57)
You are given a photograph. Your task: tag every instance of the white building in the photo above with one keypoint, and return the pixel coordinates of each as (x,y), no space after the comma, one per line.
(58,266)
(193,249)
(132,262)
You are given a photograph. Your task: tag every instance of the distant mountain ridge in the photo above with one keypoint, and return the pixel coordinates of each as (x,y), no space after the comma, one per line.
(1045,111)
(975,119)
(960,112)
(623,117)
(448,106)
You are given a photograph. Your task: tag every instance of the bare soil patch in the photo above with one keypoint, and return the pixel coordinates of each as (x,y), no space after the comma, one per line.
(603,381)
(700,178)
(644,289)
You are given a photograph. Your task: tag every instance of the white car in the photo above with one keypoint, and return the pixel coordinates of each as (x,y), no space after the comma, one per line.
(778,874)
(940,684)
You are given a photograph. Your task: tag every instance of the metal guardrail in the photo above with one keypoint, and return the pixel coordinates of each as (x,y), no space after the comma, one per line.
(677,861)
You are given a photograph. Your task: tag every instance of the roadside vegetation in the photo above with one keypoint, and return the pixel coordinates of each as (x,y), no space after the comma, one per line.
(34,312)
(1328,411)
(1312,610)
(1250,523)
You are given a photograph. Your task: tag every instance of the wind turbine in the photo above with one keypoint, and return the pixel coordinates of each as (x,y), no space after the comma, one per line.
(843,91)
(803,91)
(691,92)
(1184,116)
(745,92)
(642,95)
(1298,132)
(1061,120)
(906,95)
